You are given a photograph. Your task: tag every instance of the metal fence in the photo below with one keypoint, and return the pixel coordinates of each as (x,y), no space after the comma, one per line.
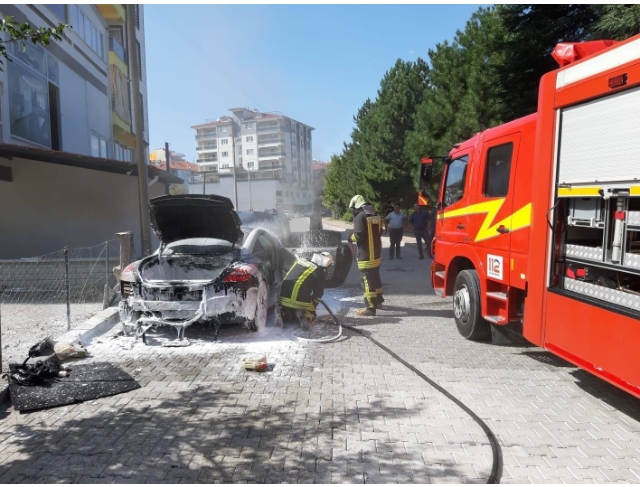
(50,294)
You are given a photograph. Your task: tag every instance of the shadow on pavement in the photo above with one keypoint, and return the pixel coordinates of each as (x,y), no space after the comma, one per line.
(548,358)
(232,426)
(624,402)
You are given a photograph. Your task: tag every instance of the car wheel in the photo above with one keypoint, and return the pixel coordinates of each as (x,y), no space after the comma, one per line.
(259,322)
(467,309)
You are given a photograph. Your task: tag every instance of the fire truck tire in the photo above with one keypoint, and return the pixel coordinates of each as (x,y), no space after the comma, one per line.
(467,308)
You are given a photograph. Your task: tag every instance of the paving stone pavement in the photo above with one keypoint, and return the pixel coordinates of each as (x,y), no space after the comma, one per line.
(344,412)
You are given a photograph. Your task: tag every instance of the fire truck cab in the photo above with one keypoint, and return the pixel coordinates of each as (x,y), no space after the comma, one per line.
(538,223)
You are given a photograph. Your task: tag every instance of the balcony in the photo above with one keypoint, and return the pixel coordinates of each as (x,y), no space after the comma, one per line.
(117,48)
(271,155)
(207,159)
(270,142)
(207,147)
(112,11)
(270,128)
(208,135)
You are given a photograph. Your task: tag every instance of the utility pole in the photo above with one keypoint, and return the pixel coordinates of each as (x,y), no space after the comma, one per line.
(167,156)
(233,149)
(143,185)
(250,201)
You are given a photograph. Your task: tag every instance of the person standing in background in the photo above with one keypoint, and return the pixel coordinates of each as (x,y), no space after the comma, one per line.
(421,221)
(396,223)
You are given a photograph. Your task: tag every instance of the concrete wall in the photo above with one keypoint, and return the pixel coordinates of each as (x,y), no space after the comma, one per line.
(50,206)
(263,193)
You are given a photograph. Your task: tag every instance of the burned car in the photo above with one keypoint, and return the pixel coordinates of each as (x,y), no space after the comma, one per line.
(206,269)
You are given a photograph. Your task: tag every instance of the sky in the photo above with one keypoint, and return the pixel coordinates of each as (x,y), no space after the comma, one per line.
(315,63)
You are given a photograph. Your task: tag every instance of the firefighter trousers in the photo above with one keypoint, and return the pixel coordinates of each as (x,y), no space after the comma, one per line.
(372,287)
(289,315)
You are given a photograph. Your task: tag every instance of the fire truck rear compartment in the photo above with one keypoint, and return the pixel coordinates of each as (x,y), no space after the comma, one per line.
(596,223)
(598,249)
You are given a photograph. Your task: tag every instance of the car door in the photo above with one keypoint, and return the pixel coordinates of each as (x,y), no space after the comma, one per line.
(452,216)
(491,229)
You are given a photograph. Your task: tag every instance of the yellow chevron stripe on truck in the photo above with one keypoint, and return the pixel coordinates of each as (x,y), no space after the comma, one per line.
(518,220)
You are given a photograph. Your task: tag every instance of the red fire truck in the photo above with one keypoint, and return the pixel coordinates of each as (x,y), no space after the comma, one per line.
(538,220)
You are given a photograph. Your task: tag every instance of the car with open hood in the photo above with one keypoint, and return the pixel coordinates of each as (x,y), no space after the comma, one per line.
(205,270)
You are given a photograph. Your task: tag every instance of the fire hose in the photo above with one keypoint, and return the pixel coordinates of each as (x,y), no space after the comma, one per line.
(496,467)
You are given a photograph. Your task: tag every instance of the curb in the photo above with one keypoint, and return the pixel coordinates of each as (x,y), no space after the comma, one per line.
(95,326)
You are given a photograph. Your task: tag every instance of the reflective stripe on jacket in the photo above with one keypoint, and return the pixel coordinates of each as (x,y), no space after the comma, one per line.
(303,284)
(367,233)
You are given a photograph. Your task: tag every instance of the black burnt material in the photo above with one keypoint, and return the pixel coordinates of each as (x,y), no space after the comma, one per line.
(84,382)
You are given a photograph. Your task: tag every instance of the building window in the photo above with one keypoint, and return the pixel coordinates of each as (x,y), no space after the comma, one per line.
(59,11)
(33,98)
(89,32)
(98,146)
(249,152)
(250,165)
(278,193)
(224,141)
(225,154)
(223,129)
(139,50)
(248,126)
(250,138)
(136,9)
(225,166)
(122,153)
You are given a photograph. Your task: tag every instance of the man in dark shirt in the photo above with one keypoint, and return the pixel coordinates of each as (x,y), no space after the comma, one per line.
(421,221)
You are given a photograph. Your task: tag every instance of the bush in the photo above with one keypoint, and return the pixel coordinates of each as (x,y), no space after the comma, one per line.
(347,217)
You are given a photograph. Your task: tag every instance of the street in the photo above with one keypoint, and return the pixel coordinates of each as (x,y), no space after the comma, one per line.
(334,413)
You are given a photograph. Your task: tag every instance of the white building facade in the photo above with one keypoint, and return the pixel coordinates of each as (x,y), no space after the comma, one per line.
(272,156)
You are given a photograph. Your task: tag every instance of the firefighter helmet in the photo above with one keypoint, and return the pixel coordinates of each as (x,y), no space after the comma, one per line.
(323,259)
(357,201)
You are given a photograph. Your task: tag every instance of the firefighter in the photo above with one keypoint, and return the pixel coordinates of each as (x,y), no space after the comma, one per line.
(367,232)
(303,287)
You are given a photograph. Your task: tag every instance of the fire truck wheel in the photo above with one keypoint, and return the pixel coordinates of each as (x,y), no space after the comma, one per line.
(466,307)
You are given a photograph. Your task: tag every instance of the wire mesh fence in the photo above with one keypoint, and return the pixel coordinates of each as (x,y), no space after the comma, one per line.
(50,294)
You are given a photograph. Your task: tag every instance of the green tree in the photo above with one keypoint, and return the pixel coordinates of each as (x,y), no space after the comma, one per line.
(532,33)
(22,33)
(389,167)
(462,97)
(617,22)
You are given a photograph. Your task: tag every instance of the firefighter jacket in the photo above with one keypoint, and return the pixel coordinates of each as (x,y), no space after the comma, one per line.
(303,286)
(367,234)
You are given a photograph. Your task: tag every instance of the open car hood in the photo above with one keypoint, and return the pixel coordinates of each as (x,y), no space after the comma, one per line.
(178,217)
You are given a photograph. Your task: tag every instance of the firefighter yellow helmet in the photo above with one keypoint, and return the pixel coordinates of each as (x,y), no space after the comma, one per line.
(323,259)
(357,201)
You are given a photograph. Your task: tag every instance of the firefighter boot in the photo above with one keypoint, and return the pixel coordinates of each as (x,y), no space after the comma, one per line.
(303,319)
(366,312)
(279,320)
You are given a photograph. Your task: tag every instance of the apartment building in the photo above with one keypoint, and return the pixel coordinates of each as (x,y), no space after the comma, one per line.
(271,156)
(67,135)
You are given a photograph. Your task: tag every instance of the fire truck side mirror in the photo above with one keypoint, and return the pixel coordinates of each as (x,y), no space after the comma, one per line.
(426,171)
